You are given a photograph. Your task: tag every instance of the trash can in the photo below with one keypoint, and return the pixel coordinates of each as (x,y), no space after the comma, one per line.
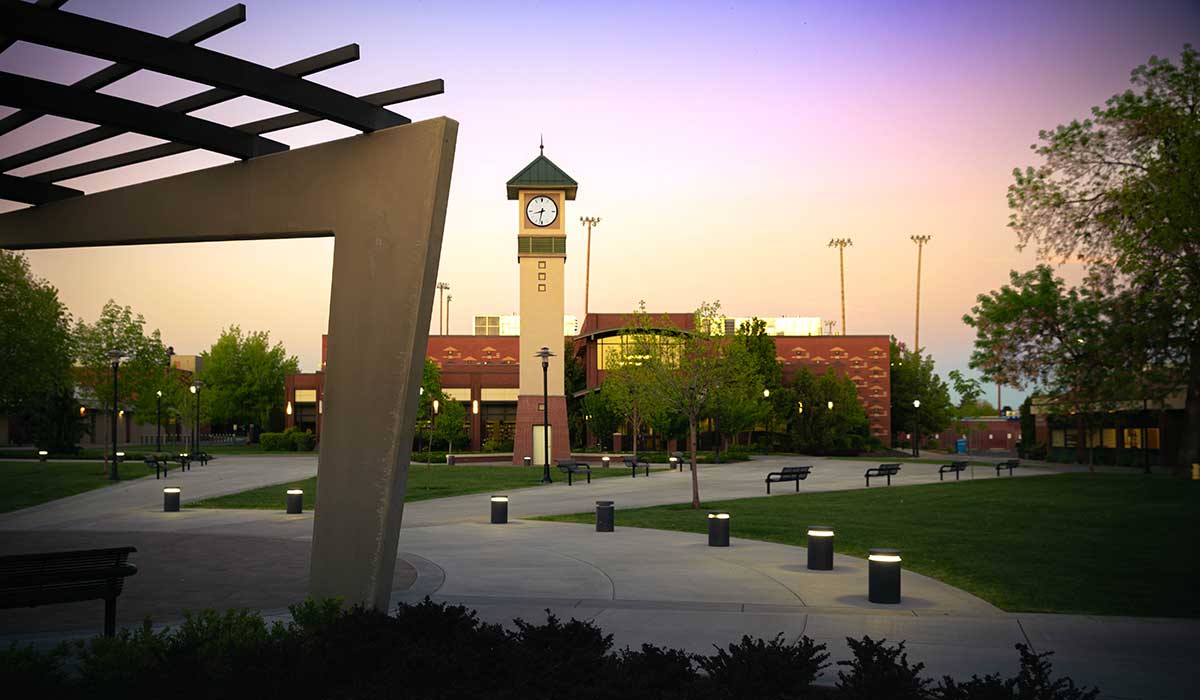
(718,529)
(171,499)
(820,548)
(605,516)
(295,501)
(960,446)
(500,509)
(883,576)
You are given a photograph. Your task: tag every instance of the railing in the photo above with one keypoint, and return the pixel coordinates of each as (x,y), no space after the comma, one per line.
(205,439)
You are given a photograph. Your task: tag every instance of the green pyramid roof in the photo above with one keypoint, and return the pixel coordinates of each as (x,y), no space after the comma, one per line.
(542,174)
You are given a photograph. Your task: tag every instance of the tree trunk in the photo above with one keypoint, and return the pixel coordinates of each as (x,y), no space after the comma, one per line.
(636,426)
(1189,447)
(695,473)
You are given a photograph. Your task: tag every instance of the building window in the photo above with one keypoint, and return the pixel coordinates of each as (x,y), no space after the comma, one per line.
(1152,438)
(541,407)
(1106,437)
(541,287)
(800,353)
(487,325)
(542,245)
(541,275)
(1057,438)
(875,353)
(541,264)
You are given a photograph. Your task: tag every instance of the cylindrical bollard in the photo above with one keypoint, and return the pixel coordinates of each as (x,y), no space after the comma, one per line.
(171,499)
(718,529)
(605,516)
(500,510)
(528,461)
(820,548)
(673,461)
(605,460)
(883,577)
(450,460)
(295,501)
(42,454)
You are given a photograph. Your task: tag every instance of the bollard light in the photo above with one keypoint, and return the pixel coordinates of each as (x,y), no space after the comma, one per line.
(604,461)
(295,501)
(171,499)
(674,461)
(605,516)
(718,529)
(528,461)
(42,454)
(820,548)
(883,576)
(500,509)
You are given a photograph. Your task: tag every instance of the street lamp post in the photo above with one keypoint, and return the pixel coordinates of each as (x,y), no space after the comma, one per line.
(115,356)
(589,221)
(433,410)
(545,354)
(196,385)
(916,428)
(158,422)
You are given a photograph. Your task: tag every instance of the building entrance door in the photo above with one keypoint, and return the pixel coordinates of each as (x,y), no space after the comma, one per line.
(539,445)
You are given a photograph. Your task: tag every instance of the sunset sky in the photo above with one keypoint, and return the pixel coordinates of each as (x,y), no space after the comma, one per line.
(723,145)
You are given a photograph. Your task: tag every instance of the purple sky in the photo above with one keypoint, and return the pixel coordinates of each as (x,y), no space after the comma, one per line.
(723,144)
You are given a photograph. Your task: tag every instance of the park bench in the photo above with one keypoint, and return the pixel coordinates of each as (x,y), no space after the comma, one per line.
(678,459)
(955,467)
(633,464)
(184,461)
(572,467)
(30,580)
(796,474)
(888,470)
(160,465)
(203,457)
(1009,464)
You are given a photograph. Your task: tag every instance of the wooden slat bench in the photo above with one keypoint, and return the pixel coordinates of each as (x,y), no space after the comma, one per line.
(888,470)
(796,474)
(30,580)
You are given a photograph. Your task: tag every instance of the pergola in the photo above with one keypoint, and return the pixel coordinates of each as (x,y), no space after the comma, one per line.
(381,194)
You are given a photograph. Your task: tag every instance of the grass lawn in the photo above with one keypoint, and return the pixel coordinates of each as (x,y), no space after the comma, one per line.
(24,484)
(440,481)
(1109,544)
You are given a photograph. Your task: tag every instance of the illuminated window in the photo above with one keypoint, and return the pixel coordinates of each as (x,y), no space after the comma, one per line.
(541,264)
(1058,438)
(1152,438)
(487,325)
(541,287)
(541,275)
(1133,438)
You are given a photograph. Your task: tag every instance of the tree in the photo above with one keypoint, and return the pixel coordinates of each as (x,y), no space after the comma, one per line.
(739,404)
(145,368)
(1121,192)
(913,378)
(818,429)
(450,425)
(36,348)
(601,417)
(628,386)
(574,381)
(687,369)
(243,376)
(765,374)
(969,391)
(1072,342)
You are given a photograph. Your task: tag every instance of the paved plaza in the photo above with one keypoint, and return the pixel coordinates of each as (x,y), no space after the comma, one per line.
(639,585)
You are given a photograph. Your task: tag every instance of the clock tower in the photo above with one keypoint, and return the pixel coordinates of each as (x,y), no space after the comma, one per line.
(541,191)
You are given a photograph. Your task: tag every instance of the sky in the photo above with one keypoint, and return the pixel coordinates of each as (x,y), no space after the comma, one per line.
(722,144)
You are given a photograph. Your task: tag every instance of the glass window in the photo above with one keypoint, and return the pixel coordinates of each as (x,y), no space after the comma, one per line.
(1133,438)
(1152,438)
(487,325)
(1070,438)
(1109,437)
(541,275)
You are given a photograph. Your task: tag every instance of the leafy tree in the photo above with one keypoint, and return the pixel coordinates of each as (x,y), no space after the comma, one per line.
(451,423)
(36,348)
(765,374)
(243,377)
(628,386)
(145,368)
(818,429)
(969,391)
(574,380)
(739,404)
(601,416)
(913,378)
(687,369)
(431,388)
(1121,192)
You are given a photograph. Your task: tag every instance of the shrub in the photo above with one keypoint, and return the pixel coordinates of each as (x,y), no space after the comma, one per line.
(754,668)
(275,442)
(655,673)
(880,671)
(301,441)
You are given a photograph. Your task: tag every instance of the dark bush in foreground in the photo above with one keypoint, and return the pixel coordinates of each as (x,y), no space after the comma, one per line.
(431,650)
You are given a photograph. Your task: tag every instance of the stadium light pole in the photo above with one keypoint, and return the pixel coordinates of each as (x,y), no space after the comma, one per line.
(840,244)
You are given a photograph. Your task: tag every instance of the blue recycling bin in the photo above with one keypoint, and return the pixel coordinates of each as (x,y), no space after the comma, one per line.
(960,446)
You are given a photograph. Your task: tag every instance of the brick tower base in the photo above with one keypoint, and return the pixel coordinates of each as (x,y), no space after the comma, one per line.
(528,416)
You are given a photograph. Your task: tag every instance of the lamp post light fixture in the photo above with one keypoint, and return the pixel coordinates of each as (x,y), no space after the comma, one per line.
(883,576)
(433,410)
(115,356)
(718,529)
(800,407)
(916,428)
(158,422)
(195,389)
(545,355)
(499,510)
(829,405)
(295,501)
(171,499)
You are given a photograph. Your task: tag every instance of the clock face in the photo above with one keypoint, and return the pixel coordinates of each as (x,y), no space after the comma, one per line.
(541,211)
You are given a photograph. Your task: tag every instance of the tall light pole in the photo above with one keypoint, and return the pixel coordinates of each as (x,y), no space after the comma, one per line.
(441,287)
(115,356)
(920,241)
(449,298)
(840,244)
(545,354)
(433,410)
(589,221)
(195,389)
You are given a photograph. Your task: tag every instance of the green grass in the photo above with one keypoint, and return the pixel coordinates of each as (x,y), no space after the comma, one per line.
(25,484)
(439,481)
(1109,544)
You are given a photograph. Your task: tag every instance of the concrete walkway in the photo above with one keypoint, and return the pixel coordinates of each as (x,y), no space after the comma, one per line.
(639,585)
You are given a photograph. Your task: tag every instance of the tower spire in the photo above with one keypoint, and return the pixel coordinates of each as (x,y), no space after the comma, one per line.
(541,145)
